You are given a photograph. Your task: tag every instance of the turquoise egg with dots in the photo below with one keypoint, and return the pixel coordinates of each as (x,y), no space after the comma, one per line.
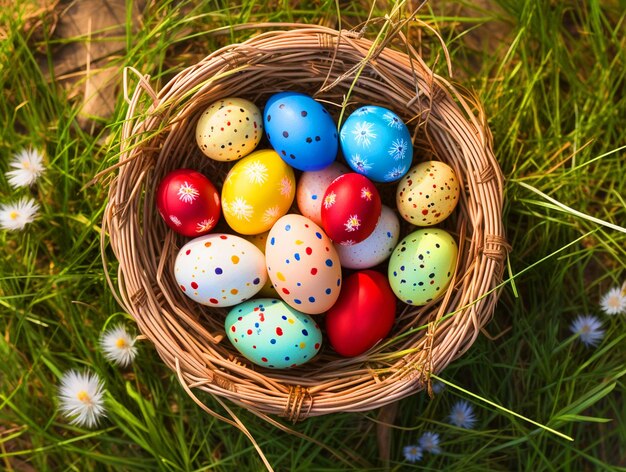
(376,143)
(422,265)
(270,333)
(300,130)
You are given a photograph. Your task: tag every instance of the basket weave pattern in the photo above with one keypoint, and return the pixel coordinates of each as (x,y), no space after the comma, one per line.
(159,136)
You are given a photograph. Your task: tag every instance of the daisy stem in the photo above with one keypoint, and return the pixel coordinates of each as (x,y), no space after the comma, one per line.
(501,408)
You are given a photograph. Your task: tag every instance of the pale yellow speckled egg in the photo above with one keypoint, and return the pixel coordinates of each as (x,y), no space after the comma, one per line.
(229,129)
(428,193)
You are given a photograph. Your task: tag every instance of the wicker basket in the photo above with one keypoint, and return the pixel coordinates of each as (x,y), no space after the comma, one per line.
(330,65)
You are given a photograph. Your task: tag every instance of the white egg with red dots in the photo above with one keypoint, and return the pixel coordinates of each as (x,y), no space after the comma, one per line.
(229,129)
(220,269)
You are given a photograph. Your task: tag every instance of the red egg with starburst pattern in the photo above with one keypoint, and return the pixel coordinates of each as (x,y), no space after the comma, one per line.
(188,202)
(350,209)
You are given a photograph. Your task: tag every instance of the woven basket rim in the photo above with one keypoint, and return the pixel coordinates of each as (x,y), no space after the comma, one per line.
(446,122)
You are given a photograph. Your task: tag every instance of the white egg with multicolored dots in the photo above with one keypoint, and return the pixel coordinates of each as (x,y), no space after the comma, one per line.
(428,193)
(229,129)
(303,264)
(376,248)
(270,333)
(422,265)
(311,188)
(220,269)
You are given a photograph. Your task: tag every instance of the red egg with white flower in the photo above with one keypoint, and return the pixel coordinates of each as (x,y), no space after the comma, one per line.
(188,202)
(350,209)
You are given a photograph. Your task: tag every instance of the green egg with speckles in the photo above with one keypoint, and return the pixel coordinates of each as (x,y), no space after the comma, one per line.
(421,266)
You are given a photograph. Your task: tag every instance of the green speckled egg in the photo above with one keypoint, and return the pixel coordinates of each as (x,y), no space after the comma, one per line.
(421,266)
(270,333)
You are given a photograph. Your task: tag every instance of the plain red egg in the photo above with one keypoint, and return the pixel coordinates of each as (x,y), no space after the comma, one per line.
(363,314)
(350,208)
(188,202)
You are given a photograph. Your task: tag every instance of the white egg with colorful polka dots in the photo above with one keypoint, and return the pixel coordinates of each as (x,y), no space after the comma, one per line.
(303,264)
(229,129)
(374,249)
(220,269)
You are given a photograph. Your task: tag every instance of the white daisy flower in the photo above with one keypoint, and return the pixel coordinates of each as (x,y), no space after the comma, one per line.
(118,345)
(398,149)
(361,165)
(429,442)
(187,193)
(285,186)
(271,214)
(174,219)
(256,172)
(15,216)
(81,396)
(395,173)
(348,242)
(240,209)
(412,453)
(205,225)
(353,223)
(392,120)
(462,415)
(363,133)
(28,167)
(588,328)
(613,302)
(366,194)
(329,200)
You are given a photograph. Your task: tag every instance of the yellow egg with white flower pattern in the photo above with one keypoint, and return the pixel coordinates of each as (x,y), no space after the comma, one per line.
(257,191)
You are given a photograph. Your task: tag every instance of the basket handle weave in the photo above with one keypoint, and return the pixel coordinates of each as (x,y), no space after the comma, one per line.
(142,85)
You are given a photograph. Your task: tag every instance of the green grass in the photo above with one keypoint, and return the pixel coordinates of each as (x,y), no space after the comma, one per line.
(553,85)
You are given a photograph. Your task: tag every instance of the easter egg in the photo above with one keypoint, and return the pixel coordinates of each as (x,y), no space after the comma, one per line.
(300,130)
(303,264)
(350,209)
(363,315)
(188,202)
(422,265)
(270,333)
(257,191)
(311,188)
(374,249)
(220,269)
(377,144)
(260,241)
(229,129)
(428,193)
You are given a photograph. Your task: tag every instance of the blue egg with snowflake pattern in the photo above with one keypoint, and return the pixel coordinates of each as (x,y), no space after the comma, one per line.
(301,131)
(376,143)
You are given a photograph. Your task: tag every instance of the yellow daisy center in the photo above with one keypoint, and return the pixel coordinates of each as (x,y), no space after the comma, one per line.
(83,396)
(13,215)
(26,165)
(121,343)
(613,302)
